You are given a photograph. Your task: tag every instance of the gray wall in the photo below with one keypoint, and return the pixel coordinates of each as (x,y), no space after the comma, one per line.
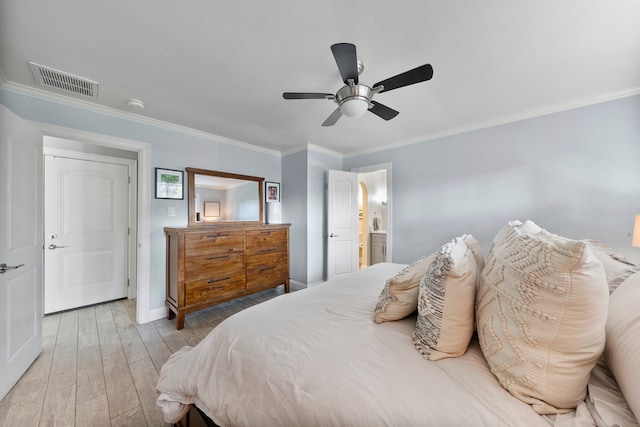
(242,200)
(293,190)
(304,176)
(574,173)
(169,149)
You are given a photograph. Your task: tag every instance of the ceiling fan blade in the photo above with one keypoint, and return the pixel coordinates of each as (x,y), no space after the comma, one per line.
(383,111)
(333,118)
(345,56)
(417,75)
(306,95)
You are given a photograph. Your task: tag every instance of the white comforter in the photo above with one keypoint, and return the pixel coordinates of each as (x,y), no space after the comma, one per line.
(316,358)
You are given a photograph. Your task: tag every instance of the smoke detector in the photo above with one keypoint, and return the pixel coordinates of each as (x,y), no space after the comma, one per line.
(135,104)
(50,77)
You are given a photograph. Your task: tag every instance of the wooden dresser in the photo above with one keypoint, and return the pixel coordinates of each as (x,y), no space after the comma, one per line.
(212,264)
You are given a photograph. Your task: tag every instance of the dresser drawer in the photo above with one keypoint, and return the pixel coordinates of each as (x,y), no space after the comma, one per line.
(213,242)
(268,259)
(266,241)
(211,265)
(267,274)
(216,287)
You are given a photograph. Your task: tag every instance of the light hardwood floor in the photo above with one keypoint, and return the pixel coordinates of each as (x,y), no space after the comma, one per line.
(98,368)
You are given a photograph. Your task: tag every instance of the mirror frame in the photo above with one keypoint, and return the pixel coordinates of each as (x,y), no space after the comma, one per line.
(192,172)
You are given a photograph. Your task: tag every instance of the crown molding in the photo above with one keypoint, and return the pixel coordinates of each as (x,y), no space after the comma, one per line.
(78,103)
(43,95)
(312,147)
(530,114)
(326,151)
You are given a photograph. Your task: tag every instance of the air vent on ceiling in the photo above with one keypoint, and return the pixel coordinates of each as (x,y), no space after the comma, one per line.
(51,77)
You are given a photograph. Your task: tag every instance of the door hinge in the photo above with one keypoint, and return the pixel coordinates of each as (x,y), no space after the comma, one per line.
(129,179)
(128,283)
(129,231)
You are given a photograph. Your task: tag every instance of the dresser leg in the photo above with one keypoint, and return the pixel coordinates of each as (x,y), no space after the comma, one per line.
(287,287)
(180,320)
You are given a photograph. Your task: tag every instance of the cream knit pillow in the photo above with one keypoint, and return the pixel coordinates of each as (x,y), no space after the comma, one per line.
(446,300)
(623,340)
(399,297)
(541,309)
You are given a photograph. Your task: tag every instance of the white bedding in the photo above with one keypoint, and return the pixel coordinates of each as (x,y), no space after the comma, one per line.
(316,358)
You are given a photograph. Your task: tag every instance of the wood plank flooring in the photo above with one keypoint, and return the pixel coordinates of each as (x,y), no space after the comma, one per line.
(99,368)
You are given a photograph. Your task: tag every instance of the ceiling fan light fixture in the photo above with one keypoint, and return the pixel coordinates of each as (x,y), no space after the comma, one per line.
(354,107)
(354,100)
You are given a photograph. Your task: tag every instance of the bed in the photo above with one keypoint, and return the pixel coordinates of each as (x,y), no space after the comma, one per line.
(316,357)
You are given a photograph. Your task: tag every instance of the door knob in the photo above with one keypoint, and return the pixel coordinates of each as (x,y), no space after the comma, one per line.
(333,235)
(4,267)
(52,247)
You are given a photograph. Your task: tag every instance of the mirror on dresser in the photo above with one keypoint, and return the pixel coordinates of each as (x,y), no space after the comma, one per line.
(219,197)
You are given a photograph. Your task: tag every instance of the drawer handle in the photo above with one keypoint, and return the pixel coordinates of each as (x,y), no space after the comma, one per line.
(217,235)
(219,280)
(218,257)
(267,268)
(269,249)
(265,232)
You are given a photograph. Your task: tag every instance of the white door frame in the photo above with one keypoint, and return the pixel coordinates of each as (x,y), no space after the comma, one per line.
(132,289)
(143,260)
(375,168)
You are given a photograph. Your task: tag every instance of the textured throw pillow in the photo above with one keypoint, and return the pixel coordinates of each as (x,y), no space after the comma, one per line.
(399,297)
(541,309)
(623,340)
(616,266)
(446,300)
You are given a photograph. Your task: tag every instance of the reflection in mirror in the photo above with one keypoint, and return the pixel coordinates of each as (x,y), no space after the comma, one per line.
(222,197)
(238,200)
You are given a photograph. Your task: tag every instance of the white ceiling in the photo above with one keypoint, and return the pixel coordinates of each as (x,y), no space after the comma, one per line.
(221,66)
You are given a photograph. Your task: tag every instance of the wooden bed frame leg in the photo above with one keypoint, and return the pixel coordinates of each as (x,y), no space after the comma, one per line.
(287,287)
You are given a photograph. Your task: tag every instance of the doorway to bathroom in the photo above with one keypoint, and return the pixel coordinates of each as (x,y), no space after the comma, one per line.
(374,213)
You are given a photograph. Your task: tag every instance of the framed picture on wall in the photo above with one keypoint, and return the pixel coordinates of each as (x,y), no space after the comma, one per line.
(169,184)
(272,192)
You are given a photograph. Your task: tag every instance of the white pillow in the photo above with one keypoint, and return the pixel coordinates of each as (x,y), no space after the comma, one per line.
(446,300)
(622,350)
(616,266)
(541,309)
(399,297)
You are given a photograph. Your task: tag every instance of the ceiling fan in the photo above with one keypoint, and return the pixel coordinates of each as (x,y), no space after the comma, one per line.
(354,99)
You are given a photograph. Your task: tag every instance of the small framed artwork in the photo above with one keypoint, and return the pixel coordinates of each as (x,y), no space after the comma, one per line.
(169,184)
(272,192)
(211,209)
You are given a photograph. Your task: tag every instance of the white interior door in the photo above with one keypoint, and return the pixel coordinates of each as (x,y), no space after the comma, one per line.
(20,247)
(85,232)
(342,223)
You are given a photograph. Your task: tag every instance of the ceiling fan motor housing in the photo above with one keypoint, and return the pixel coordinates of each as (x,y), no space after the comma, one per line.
(349,92)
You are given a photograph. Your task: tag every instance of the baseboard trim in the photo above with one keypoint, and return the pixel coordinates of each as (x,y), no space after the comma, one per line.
(296,286)
(157,313)
(315,283)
